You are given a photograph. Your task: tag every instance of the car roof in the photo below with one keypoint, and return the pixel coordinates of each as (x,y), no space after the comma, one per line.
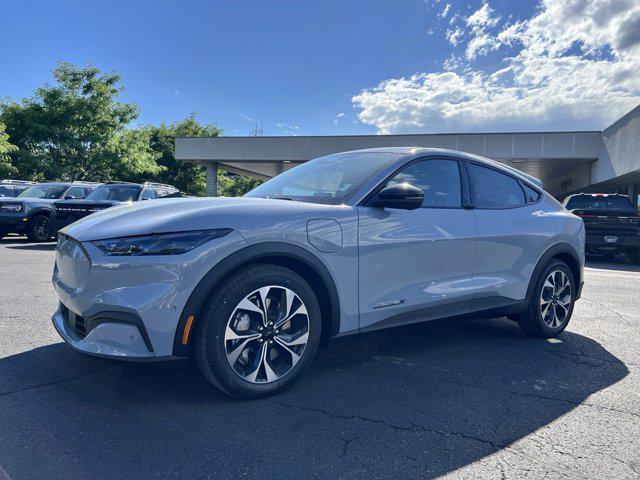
(417,152)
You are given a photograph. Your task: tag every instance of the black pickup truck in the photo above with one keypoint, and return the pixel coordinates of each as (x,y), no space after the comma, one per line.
(611,221)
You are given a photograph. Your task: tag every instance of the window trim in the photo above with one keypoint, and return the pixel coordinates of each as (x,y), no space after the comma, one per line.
(508,174)
(465,194)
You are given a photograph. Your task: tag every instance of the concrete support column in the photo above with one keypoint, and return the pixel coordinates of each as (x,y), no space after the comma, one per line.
(212,179)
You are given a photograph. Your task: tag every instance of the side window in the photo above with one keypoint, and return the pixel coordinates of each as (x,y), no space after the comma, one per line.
(76,192)
(163,192)
(439,180)
(148,194)
(531,194)
(493,189)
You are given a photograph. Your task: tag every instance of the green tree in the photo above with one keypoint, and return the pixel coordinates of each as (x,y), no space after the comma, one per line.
(187,177)
(230,185)
(6,148)
(76,129)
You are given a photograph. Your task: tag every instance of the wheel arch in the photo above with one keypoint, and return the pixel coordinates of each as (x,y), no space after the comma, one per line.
(39,211)
(306,264)
(561,251)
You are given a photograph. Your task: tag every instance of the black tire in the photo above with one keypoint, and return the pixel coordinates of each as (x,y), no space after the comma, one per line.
(635,255)
(210,344)
(3,233)
(39,229)
(531,320)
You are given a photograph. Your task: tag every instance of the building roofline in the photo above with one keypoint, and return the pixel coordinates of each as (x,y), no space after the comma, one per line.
(402,134)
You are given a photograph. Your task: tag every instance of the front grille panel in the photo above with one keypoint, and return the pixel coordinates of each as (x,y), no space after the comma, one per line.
(76,322)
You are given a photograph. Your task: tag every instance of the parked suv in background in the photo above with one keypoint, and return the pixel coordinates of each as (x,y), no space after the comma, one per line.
(108,195)
(612,223)
(347,243)
(13,188)
(30,212)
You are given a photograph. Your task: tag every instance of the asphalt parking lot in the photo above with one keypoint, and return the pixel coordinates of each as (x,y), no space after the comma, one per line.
(467,400)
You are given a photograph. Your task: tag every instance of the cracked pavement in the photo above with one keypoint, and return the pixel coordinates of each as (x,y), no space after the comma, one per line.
(454,400)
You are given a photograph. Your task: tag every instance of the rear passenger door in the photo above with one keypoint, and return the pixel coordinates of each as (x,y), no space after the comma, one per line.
(513,232)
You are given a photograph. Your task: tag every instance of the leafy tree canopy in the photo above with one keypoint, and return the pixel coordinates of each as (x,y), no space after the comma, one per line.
(76,129)
(6,148)
(185,176)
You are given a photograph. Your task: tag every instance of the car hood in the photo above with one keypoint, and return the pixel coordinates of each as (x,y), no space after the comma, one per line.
(29,200)
(184,214)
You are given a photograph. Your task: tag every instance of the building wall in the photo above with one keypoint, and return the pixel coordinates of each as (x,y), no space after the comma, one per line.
(620,153)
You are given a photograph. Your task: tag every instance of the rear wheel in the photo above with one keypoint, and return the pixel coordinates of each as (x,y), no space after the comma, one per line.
(551,304)
(258,332)
(39,229)
(635,255)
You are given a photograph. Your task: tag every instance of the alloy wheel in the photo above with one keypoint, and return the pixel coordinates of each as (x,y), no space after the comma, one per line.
(41,228)
(266,334)
(555,299)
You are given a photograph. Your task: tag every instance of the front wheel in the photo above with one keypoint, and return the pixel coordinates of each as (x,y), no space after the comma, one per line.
(258,332)
(39,229)
(551,303)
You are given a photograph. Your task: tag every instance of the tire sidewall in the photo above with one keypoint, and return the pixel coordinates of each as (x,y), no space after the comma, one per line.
(555,265)
(217,314)
(33,236)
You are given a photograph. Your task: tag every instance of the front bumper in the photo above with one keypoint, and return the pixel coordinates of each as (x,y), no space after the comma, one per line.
(106,337)
(13,221)
(130,306)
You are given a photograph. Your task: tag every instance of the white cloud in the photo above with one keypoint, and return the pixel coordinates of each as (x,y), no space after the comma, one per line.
(481,41)
(455,36)
(288,129)
(483,17)
(445,11)
(573,64)
(338,117)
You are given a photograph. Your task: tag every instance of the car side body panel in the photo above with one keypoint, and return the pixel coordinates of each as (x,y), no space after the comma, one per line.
(414,260)
(510,242)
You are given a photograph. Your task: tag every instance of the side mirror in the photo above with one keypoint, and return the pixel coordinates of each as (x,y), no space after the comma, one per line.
(401,195)
(69,197)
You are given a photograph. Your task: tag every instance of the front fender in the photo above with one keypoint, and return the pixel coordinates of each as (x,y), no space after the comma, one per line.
(246,255)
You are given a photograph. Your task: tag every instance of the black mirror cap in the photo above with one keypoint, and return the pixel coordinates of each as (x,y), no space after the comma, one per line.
(402,195)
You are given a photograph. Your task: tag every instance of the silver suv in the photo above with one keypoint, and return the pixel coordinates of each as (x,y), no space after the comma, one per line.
(347,243)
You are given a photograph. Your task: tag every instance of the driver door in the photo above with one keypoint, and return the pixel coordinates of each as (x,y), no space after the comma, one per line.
(418,264)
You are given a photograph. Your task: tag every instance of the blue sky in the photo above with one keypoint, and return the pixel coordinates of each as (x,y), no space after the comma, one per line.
(340,67)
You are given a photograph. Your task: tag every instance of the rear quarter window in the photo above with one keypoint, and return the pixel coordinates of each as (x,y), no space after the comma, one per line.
(493,189)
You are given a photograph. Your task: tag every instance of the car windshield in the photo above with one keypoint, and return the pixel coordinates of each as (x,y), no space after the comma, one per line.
(589,202)
(7,191)
(331,180)
(117,193)
(44,191)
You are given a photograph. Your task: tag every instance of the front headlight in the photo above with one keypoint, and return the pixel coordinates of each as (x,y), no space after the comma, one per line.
(13,207)
(159,244)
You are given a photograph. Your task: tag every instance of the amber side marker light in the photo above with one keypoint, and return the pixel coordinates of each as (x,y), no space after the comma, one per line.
(187,329)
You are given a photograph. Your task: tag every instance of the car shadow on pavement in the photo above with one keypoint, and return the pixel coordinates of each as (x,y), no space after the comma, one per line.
(419,401)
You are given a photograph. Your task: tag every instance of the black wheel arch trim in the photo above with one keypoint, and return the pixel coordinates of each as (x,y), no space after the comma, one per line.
(551,252)
(39,211)
(250,254)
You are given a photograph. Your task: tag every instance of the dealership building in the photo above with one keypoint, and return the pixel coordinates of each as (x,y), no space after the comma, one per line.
(567,162)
